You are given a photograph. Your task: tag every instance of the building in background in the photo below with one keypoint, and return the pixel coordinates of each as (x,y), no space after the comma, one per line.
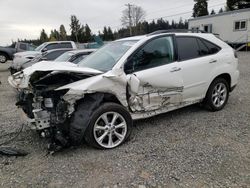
(233,27)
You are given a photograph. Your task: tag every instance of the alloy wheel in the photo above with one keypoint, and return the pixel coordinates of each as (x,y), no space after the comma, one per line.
(110,129)
(219,95)
(2,59)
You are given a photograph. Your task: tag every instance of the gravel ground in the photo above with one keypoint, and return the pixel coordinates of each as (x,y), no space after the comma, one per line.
(190,147)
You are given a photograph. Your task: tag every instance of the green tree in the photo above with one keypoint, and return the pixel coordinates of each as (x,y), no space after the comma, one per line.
(54,35)
(63,33)
(212,12)
(110,34)
(88,35)
(237,4)
(81,34)
(221,10)
(105,34)
(75,28)
(43,36)
(200,8)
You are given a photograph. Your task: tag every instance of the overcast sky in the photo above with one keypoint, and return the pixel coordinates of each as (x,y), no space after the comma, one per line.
(26,18)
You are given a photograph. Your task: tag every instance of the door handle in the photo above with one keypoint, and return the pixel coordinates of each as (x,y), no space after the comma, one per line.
(175,69)
(213,61)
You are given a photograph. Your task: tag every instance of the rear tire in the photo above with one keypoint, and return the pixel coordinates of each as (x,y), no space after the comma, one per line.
(3,58)
(217,95)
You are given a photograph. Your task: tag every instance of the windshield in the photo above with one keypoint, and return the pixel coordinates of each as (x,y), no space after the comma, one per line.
(39,48)
(105,58)
(64,57)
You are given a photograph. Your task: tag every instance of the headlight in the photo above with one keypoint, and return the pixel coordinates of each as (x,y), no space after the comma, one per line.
(48,103)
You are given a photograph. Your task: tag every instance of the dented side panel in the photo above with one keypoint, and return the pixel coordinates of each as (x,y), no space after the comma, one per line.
(158,88)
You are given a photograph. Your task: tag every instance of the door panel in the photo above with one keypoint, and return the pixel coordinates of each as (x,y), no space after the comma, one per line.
(156,74)
(197,61)
(195,74)
(159,87)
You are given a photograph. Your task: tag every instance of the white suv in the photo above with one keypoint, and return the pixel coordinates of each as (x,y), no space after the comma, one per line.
(128,79)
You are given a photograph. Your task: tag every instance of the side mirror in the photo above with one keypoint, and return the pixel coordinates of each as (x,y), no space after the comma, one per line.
(134,83)
(128,66)
(44,50)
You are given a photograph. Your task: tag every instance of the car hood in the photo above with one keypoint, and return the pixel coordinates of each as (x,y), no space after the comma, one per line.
(20,80)
(27,53)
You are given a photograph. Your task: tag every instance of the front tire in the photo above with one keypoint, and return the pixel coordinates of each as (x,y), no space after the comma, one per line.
(107,126)
(3,58)
(217,95)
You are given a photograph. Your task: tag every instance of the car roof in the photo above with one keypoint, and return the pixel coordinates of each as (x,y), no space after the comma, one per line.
(52,42)
(133,38)
(82,51)
(59,49)
(140,37)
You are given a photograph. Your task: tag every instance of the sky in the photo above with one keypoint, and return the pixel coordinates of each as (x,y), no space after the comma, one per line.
(21,19)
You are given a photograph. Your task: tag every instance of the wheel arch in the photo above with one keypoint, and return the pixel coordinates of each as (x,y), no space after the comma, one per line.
(225,76)
(7,55)
(91,102)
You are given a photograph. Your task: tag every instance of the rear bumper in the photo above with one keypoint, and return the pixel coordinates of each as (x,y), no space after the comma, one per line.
(235,78)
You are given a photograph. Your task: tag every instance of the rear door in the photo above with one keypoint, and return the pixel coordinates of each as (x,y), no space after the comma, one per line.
(155,78)
(197,58)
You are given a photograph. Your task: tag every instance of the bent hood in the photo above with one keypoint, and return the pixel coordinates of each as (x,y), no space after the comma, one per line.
(20,80)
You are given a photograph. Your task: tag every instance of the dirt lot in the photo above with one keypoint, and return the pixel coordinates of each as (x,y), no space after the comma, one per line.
(190,147)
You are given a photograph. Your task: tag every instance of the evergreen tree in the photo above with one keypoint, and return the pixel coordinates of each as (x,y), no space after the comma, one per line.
(43,36)
(88,36)
(200,8)
(81,34)
(63,33)
(75,28)
(105,34)
(212,12)
(221,10)
(110,35)
(54,34)
(181,24)
(237,4)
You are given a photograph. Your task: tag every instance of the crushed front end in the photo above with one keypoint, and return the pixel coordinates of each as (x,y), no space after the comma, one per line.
(46,110)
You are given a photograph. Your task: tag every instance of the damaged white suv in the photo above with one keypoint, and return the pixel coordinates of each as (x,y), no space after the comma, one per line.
(132,78)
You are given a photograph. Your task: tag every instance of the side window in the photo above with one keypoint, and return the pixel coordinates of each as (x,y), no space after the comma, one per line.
(240,25)
(213,49)
(203,51)
(157,52)
(23,46)
(53,55)
(52,46)
(187,48)
(78,58)
(65,45)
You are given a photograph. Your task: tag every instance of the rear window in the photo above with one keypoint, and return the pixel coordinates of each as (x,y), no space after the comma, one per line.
(53,55)
(23,46)
(213,49)
(65,45)
(193,47)
(187,48)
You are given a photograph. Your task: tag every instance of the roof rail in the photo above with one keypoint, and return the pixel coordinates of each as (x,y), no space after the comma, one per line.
(177,31)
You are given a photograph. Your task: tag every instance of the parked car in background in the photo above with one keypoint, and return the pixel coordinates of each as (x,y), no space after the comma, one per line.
(7,53)
(74,56)
(22,57)
(49,55)
(131,78)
